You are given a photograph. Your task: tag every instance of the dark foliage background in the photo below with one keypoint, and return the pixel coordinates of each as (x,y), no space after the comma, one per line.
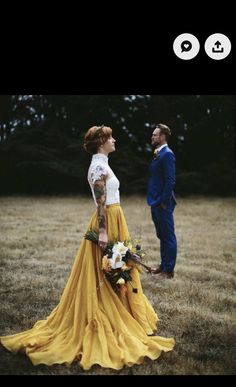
(41,141)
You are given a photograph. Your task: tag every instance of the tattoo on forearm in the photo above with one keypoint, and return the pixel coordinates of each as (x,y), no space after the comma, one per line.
(100,195)
(101,221)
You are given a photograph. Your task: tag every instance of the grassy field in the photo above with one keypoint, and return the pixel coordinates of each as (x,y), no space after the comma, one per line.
(39,238)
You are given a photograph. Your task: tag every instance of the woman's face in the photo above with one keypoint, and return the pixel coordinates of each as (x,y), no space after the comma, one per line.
(109,145)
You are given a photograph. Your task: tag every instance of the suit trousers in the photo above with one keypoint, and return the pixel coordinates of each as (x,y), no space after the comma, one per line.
(165,231)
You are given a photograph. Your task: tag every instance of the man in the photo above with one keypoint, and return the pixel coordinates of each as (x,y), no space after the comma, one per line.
(161,198)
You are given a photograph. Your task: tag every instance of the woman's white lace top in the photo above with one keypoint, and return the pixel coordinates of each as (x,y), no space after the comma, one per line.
(98,167)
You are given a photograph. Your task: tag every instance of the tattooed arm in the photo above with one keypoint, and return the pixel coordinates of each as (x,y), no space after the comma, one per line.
(100,196)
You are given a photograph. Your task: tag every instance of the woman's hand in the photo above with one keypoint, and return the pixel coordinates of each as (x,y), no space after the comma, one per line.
(102,239)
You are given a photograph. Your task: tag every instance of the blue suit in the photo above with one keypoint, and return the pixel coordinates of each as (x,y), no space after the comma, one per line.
(161,183)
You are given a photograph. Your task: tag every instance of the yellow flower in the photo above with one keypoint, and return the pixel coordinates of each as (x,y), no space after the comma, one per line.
(156,154)
(130,246)
(106,265)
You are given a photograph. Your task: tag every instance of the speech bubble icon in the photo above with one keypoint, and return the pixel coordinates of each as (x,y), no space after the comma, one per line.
(186,46)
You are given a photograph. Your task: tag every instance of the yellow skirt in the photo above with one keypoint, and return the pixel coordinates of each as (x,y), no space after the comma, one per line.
(92,324)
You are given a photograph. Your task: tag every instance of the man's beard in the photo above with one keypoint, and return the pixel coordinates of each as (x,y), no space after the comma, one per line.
(155,145)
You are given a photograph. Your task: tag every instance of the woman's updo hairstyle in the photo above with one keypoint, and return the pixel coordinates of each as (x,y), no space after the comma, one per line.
(95,137)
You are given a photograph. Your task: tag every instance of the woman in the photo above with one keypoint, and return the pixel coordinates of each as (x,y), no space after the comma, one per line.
(92,324)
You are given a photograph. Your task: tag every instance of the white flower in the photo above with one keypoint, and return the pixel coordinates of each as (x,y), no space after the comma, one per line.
(116,260)
(120,248)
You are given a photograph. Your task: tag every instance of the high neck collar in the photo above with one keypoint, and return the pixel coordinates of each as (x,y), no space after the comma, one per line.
(101,157)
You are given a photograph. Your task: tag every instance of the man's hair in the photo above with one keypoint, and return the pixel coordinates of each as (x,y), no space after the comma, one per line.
(164,129)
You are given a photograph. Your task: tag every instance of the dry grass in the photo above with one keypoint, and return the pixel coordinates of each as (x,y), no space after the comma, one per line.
(39,240)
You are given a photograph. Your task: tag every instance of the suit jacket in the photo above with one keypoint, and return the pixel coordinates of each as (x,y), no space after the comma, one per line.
(161,180)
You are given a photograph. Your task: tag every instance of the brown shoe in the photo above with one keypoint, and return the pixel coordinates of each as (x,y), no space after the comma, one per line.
(156,270)
(164,275)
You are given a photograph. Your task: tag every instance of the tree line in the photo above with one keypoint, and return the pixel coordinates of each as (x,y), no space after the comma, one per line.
(41,141)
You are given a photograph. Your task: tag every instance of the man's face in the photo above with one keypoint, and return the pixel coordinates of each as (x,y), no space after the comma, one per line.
(156,138)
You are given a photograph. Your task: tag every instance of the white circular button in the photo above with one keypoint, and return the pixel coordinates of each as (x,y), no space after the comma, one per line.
(186,46)
(217,46)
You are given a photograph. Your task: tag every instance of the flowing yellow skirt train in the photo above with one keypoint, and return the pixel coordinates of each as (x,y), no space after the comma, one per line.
(92,324)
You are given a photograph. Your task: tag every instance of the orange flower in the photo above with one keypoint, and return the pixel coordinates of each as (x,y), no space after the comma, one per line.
(123,290)
(130,263)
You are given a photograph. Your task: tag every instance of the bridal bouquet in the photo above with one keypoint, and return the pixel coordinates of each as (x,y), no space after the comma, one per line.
(118,260)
